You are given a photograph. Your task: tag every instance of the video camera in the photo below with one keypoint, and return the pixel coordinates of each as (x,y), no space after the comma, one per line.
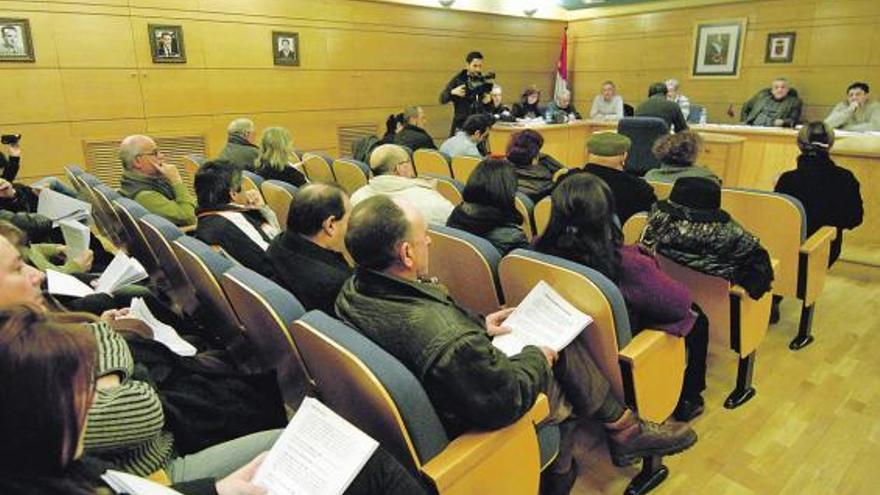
(480,84)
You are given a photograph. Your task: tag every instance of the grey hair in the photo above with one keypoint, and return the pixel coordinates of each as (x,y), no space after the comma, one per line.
(783,79)
(410,112)
(672,82)
(129,149)
(563,92)
(240,127)
(496,87)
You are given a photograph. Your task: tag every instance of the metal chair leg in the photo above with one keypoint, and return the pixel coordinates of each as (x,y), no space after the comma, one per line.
(652,474)
(805,329)
(744,390)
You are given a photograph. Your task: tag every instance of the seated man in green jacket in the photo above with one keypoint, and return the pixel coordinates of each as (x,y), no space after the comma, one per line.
(473,385)
(154,183)
(776,106)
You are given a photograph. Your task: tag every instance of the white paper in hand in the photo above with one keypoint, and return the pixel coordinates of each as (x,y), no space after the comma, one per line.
(319,453)
(162,333)
(62,284)
(128,483)
(56,206)
(76,236)
(543,318)
(121,271)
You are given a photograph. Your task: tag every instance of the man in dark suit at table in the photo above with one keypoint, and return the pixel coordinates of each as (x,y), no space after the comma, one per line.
(167,46)
(657,105)
(285,51)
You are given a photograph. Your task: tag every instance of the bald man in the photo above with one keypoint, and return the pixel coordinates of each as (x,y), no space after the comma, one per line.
(154,183)
(394,176)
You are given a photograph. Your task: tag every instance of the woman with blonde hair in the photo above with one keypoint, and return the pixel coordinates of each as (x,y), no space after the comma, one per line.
(276,157)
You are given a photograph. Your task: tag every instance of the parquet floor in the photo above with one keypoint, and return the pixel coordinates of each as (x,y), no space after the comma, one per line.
(812,429)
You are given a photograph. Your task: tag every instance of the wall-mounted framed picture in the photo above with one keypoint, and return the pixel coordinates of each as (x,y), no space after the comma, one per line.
(285,48)
(16,44)
(166,44)
(718,48)
(780,48)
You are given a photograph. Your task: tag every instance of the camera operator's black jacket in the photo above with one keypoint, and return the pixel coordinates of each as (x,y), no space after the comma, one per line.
(464,107)
(9,166)
(414,138)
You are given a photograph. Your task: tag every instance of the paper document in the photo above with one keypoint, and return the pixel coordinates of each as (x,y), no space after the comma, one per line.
(543,318)
(319,453)
(76,236)
(128,483)
(120,272)
(162,333)
(57,206)
(62,284)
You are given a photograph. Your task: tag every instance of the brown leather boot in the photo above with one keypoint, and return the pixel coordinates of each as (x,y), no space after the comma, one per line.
(631,438)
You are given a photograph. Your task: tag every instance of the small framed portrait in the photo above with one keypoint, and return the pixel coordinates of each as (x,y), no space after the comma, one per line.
(16,44)
(285,48)
(780,48)
(718,48)
(166,44)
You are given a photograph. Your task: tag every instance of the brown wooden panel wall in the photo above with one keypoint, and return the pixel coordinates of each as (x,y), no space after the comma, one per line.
(94,79)
(837,43)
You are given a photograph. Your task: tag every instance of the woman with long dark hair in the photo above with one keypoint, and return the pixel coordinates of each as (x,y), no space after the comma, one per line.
(582,229)
(830,194)
(489,209)
(534,170)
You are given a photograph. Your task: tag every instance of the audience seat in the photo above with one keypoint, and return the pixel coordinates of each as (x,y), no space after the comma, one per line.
(448,187)
(542,215)
(159,234)
(251,181)
(373,390)
(105,217)
(204,268)
(129,212)
(780,222)
(468,266)
(633,228)
(278,196)
(643,131)
(266,310)
(191,164)
(526,208)
(431,162)
(317,167)
(736,321)
(463,167)
(646,372)
(661,189)
(73,173)
(351,174)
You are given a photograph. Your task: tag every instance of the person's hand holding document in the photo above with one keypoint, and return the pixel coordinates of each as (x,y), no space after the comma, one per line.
(56,206)
(543,319)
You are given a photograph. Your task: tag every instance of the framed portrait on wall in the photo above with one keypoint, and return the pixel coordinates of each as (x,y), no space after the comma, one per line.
(16,44)
(718,48)
(166,44)
(780,48)
(285,48)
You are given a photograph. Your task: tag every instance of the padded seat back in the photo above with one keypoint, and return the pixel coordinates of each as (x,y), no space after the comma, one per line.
(160,233)
(317,168)
(643,131)
(468,266)
(586,289)
(204,267)
(463,167)
(250,181)
(278,196)
(661,189)
(431,162)
(104,215)
(129,212)
(266,310)
(542,215)
(351,174)
(448,187)
(779,221)
(369,387)
(526,208)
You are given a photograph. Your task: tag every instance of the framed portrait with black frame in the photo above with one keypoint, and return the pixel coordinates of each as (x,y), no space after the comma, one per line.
(16,44)
(718,48)
(285,48)
(166,44)
(780,48)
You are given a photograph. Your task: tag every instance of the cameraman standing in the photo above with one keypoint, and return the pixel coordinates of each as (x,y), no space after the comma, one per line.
(467,102)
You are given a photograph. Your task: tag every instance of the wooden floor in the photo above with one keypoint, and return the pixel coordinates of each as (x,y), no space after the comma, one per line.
(814,426)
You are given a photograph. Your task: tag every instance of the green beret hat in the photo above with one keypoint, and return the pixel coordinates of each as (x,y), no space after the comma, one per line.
(608,144)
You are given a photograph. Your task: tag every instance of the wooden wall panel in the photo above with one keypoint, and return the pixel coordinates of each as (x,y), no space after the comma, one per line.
(837,43)
(94,77)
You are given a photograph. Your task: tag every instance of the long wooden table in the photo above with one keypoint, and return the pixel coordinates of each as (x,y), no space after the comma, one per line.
(743,156)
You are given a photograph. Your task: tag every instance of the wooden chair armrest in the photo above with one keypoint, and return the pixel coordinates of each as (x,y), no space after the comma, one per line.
(652,366)
(748,320)
(499,461)
(813,264)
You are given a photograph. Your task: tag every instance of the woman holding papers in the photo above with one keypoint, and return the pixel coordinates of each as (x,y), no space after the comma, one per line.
(582,229)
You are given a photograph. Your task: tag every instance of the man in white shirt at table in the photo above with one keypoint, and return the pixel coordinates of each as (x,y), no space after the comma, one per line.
(858,112)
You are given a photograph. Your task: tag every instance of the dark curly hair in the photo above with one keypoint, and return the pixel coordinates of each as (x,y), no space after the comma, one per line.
(523,147)
(679,149)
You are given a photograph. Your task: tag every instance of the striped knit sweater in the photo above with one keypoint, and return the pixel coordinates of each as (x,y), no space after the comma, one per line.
(124,424)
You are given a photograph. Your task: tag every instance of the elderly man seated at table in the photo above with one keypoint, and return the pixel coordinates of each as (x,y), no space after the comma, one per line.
(776,106)
(858,112)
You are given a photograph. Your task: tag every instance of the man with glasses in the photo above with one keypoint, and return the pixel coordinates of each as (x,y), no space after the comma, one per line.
(154,183)
(394,176)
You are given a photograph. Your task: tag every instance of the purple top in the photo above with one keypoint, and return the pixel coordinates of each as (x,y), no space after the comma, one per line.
(657,300)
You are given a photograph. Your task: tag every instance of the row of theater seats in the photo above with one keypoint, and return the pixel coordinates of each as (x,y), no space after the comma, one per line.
(266,328)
